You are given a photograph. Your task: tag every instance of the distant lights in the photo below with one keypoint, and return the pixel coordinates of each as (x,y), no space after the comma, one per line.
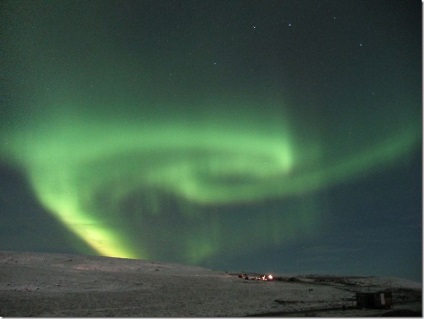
(268,277)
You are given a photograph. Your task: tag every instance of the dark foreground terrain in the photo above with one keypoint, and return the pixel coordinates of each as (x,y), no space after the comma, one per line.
(54,285)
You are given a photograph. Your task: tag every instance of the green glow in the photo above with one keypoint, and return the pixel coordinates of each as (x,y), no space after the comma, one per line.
(84,168)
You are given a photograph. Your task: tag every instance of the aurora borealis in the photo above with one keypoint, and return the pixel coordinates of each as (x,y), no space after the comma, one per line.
(228,134)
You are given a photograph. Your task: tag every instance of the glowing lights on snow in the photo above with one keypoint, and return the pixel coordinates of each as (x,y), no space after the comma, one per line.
(267,277)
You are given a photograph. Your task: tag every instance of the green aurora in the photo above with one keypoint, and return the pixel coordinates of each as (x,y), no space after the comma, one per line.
(82,170)
(185,131)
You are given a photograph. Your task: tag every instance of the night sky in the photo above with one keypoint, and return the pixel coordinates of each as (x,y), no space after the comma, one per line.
(270,136)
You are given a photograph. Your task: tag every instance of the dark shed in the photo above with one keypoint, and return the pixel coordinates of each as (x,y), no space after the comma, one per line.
(379,299)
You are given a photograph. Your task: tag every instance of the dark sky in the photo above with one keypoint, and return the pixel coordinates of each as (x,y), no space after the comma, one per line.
(270,136)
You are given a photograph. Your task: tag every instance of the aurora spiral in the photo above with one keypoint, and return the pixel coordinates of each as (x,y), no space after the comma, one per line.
(194,136)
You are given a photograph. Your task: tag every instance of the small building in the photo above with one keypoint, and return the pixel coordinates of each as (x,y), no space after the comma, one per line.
(379,299)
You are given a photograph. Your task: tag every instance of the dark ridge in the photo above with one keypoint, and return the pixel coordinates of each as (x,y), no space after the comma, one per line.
(402,313)
(301,313)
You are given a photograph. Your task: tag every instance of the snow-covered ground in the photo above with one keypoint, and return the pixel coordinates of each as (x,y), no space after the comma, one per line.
(34,284)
